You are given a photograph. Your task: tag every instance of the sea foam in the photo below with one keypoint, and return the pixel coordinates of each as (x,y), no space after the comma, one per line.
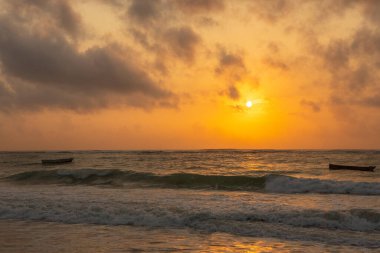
(287,184)
(206,212)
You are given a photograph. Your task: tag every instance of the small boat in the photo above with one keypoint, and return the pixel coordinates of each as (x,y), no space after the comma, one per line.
(347,167)
(57,161)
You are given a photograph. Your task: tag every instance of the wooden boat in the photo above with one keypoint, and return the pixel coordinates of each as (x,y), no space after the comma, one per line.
(57,161)
(347,167)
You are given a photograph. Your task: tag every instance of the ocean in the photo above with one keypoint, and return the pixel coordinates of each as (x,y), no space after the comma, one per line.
(189,201)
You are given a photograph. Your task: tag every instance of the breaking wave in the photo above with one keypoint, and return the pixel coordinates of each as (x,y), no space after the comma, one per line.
(269,183)
(354,219)
(136,209)
(119,177)
(286,184)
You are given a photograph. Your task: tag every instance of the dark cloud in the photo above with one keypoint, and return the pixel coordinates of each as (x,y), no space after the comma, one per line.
(200,6)
(350,59)
(24,96)
(359,78)
(273,10)
(176,43)
(336,55)
(27,97)
(183,42)
(276,63)
(229,60)
(238,108)
(47,13)
(371,10)
(232,67)
(154,25)
(68,18)
(371,101)
(45,69)
(231,64)
(353,65)
(145,11)
(149,10)
(365,42)
(52,60)
(315,107)
(208,22)
(320,11)
(273,47)
(233,92)
(141,38)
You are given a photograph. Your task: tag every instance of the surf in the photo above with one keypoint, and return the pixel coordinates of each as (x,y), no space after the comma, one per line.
(272,183)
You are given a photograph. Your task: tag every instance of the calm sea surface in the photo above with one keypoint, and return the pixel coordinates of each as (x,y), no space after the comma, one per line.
(189,201)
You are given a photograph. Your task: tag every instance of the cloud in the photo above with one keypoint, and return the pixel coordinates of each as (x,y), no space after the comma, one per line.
(45,69)
(183,42)
(154,25)
(371,101)
(232,68)
(353,64)
(371,10)
(26,97)
(342,51)
(231,64)
(274,63)
(200,6)
(144,11)
(315,107)
(348,61)
(54,61)
(208,22)
(57,13)
(317,11)
(172,44)
(233,92)
(29,97)
(68,18)
(273,10)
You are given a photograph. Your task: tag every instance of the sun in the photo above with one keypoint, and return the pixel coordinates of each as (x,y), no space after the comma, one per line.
(249,104)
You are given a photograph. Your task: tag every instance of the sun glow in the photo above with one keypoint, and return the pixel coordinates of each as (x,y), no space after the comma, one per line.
(249,104)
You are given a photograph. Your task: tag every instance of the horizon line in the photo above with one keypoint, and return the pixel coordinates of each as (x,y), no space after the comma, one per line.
(199,149)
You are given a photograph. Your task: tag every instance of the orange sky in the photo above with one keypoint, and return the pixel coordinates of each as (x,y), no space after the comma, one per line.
(176,74)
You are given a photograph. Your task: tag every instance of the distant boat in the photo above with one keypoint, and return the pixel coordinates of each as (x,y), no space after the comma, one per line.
(57,161)
(347,167)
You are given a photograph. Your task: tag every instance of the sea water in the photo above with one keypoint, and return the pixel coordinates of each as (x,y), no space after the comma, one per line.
(193,201)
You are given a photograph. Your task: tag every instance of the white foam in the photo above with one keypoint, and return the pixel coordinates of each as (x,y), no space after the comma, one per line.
(286,184)
(251,214)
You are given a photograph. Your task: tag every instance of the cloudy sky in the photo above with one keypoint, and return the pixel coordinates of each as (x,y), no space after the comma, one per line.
(177,74)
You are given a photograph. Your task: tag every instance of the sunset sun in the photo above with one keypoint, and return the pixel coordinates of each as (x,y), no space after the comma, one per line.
(249,104)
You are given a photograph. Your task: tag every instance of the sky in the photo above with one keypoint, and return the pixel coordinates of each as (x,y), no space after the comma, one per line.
(178,74)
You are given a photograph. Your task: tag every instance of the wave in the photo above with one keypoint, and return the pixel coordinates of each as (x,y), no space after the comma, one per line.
(118,177)
(287,184)
(270,183)
(363,220)
(154,209)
